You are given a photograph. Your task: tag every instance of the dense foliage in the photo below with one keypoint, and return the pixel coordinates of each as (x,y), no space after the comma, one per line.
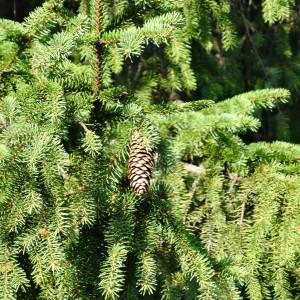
(220,220)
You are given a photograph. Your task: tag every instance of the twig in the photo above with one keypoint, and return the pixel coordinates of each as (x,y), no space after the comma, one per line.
(84,127)
(233,180)
(247,27)
(199,171)
(243,208)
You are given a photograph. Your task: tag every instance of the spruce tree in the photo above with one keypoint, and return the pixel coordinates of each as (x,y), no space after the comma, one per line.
(86,90)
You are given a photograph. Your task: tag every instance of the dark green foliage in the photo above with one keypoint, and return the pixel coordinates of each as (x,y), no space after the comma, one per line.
(220,219)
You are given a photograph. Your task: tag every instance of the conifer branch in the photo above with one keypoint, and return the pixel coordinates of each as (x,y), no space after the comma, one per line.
(97,83)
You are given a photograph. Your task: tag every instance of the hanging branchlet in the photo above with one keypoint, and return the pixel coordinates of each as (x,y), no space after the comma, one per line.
(91,142)
(141,163)
(97,47)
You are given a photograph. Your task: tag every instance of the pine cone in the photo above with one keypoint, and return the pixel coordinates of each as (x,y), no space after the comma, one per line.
(141,163)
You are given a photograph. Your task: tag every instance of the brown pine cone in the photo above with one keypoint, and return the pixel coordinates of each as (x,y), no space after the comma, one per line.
(141,164)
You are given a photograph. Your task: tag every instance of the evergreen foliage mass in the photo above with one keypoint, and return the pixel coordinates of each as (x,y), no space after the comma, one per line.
(220,220)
